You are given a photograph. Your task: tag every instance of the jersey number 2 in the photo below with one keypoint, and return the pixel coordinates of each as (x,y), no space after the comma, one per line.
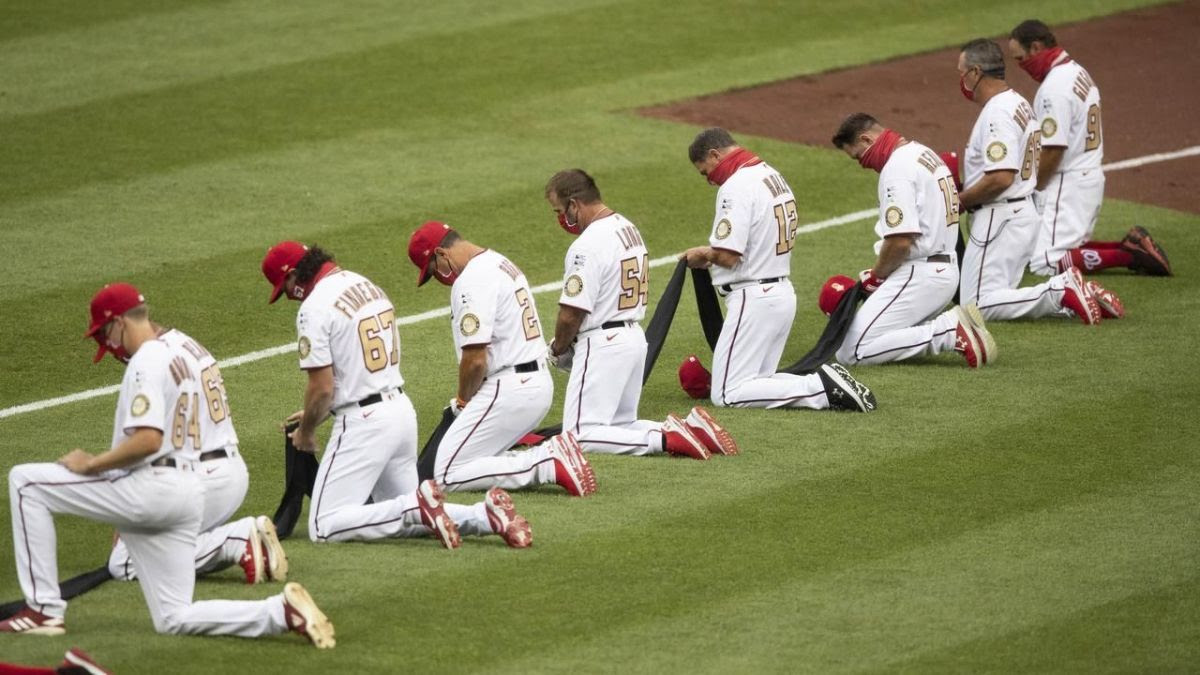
(529,318)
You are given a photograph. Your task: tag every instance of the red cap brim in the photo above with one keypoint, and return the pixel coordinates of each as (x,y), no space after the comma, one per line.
(423,276)
(278,291)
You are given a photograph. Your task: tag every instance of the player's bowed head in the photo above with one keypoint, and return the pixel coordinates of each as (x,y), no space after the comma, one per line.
(116,309)
(439,251)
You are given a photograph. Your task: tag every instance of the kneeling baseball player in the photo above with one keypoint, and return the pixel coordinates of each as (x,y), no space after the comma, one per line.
(598,335)
(916,272)
(504,384)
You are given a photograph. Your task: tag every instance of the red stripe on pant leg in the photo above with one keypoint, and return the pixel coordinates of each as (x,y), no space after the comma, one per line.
(332,456)
(446,473)
(729,354)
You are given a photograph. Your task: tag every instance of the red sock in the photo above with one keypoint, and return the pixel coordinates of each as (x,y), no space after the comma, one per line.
(1101,244)
(1091,258)
(12,669)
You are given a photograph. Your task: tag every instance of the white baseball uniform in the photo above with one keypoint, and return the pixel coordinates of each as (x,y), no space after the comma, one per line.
(156,505)
(1003,232)
(607,276)
(221,470)
(349,323)
(1068,109)
(756,217)
(491,304)
(917,197)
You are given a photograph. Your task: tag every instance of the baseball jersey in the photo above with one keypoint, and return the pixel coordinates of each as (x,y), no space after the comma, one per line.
(1005,137)
(917,196)
(349,323)
(161,389)
(216,424)
(756,217)
(1068,110)
(607,273)
(491,304)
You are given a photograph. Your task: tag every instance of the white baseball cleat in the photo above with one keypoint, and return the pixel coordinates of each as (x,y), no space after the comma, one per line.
(78,659)
(275,562)
(1079,299)
(505,521)
(252,558)
(714,436)
(571,468)
(304,617)
(32,622)
(431,502)
(679,440)
(972,338)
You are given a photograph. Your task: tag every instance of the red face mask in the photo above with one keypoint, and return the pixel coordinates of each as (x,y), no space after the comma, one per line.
(448,278)
(968,94)
(1039,65)
(880,151)
(564,221)
(299,292)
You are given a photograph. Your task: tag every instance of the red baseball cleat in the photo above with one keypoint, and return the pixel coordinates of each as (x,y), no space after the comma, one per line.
(972,338)
(714,436)
(503,518)
(678,440)
(76,659)
(31,622)
(571,468)
(304,617)
(1079,300)
(252,558)
(431,502)
(1110,305)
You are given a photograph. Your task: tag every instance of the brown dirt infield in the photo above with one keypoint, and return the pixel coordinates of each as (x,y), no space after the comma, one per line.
(1144,61)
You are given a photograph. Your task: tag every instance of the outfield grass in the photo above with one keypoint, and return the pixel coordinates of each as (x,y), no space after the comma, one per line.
(1038,515)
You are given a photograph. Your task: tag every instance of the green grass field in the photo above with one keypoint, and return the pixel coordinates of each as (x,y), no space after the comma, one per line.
(1039,515)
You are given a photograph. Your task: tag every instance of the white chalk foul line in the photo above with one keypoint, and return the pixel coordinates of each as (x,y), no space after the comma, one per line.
(865,214)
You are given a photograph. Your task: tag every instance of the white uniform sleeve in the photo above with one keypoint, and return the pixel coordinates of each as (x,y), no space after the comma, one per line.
(313,346)
(898,206)
(1002,145)
(475,315)
(1054,118)
(148,406)
(731,225)
(581,282)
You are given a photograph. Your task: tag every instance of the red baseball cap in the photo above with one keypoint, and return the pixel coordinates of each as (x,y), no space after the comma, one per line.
(833,290)
(281,259)
(695,378)
(951,161)
(420,246)
(111,301)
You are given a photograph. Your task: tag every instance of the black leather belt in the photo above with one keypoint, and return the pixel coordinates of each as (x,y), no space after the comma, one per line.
(372,400)
(939,258)
(728,288)
(165,461)
(1014,200)
(527,367)
(609,325)
(215,454)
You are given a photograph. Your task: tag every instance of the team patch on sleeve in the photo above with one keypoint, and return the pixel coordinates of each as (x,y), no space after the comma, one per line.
(1049,127)
(724,228)
(893,216)
(140,405)
(468,325)
(574,286)
(996,151)
(304,346)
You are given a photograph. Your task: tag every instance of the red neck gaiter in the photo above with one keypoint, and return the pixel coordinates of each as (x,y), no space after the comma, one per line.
(1039,65)
(327,268)
(731,163)
(877,155)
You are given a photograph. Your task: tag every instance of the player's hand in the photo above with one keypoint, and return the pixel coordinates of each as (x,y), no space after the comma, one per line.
(455,406)
(304,442)
(696,258)
(870,282)
(290,419)
(562,361)
(1039,201)
(77,461)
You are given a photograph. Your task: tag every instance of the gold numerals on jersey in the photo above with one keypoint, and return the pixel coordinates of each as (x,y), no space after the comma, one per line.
(529,318)
(788,220)
(186,424)
(1094,132)
(371,332)
(635,282)
(1033,154)
(214,393)
(950,197)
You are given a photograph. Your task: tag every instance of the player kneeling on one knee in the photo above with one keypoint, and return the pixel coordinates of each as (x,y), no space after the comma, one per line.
(749,255)
(598,335)
(504,386)
(915,272)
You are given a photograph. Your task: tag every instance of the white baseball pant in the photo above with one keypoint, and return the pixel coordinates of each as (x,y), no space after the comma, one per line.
(895,321)
(373,452)
(1001,241)
(1073,200)
(474,454)
(758,319)
(157,512)
(603,392)
(220,543)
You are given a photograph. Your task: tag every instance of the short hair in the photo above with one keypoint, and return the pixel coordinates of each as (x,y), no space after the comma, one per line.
(573,184)
(851,127)
(985,54)
(139,313)
(714,138)
(311,263)
(452,237)
(1031,30)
